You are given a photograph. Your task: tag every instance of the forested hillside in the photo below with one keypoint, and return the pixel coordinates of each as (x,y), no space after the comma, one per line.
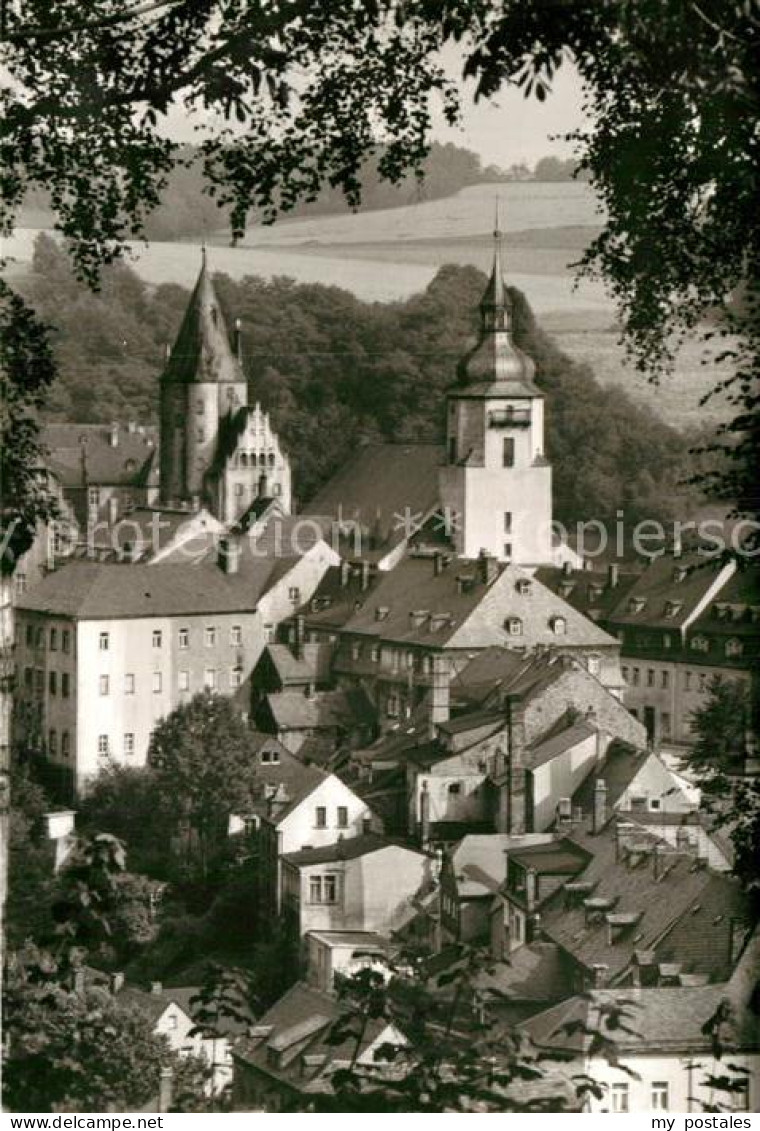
(333,370)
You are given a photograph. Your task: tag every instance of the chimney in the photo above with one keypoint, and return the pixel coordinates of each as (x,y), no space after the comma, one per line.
(488,568)
(113,510)
(156,988)
(345,573)
(613,575)
(437,564)
(424,815)
(600,805)
(117,982)
(228,556)
(299,635)
(439,691)
(165,1089)
(238,340)
(113,437)
(531,890)
(364,574)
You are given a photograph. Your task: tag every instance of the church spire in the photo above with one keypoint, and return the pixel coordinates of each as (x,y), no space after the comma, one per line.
(494,305)
(202,351)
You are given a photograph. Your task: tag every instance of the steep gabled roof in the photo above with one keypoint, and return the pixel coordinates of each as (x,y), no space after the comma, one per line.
(202,351)
(72,448)
(350,848)
(669,591)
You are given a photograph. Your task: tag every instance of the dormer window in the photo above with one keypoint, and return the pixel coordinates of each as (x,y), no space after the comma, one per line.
(381,612)
(679,574)
(558,625)
(734,647)
(514,626)
(673,608)
(637,604)
(523,586)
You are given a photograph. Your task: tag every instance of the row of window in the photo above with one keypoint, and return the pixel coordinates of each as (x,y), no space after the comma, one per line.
(35,638)
(732,648)
(34,680)
(659,1097)
(212,679)
(104,744)
(210,637)
(633,676)
(53,743)
(514,626)
(324,889)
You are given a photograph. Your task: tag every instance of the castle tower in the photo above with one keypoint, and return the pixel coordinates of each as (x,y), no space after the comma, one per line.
(202,387)
(496,482)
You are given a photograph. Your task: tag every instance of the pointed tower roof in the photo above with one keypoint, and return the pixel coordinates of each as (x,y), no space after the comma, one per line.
(202,352)
(496,367)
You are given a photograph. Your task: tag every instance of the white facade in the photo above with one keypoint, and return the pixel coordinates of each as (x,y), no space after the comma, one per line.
(306,826)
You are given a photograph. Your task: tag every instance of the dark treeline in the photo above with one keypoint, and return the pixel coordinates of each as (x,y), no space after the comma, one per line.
(334,371)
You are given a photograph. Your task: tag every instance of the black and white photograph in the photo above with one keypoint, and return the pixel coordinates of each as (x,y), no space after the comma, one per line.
(379,560)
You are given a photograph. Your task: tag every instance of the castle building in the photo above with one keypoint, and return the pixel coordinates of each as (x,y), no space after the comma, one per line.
(215,449)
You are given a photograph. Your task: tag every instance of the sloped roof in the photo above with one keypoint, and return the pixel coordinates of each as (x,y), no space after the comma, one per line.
(548,748)
(734,611)
(620,765)
(660,903)
(148,530)
(284,537)
(592,592)
(94,591)
(378,486)
(202,350)
(681,582)
(292,710)
(350,848)
(130,462)
(671,1018)
(289,667)
(479,864)
(303,783)
(533,973)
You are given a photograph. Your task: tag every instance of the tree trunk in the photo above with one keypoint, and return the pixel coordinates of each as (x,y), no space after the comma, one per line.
(7,672)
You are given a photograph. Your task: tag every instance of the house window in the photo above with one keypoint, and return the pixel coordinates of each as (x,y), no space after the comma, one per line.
(342,817)
(650,677)
(323,889)
(356,651)
(375,653)
(65,685)
(53,683)
(103,641)
(508,452)
(392,706)
(201,435)
(320,817)
(53,639)
(65,640)
(660,1098)
(210,636)
(157,682)
(239,489)
(619,1097)
(665,680)
(276,489)
(236,677)
(667,641)
(39,681)
(209,679)
(270,633)
(700,644)
(65,744)
(507,522)
(29,636)
(93,496)
(183,681)
(594,665)
(636,675)
(703,681)
(157,637)
(103,746)
(734,647)
(129,683)
(20,583)
(294,593)
(455,788)
(514,626)
(655,804)
(104,685)
(184,638)
(558,626)
(687,681)
(508,551)
(270,757)
(665,718)
(53,743)
(129,743)
(28,676)
(625,673)
(40,637)
(236,636)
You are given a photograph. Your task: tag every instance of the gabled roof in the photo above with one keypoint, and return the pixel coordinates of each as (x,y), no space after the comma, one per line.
(350,848)
(72,447)
(478,862)
(146,531)
(735,611)
(394,609)
(93,591)
(202,351)
(620,766)
(284,538)
(378,487)
(659,903)
(290,668)
(592,592)
(533,973)
(551,746)
(346,708)
(668,592)
(305,782)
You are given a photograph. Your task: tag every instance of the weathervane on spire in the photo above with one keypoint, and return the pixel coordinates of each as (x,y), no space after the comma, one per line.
(497,228)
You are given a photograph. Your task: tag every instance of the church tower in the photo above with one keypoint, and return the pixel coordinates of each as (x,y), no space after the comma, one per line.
(215,450)
(202,385)
(496,484)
